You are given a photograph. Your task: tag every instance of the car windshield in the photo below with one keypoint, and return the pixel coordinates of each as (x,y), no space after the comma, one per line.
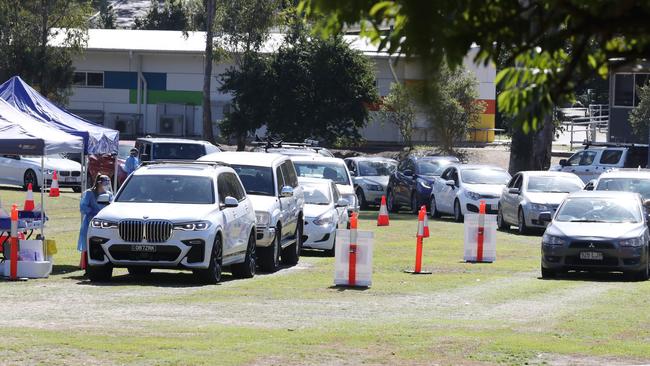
(553,184)
(590,209)
(484,176)
(637,185)
(432,167)
(167,189)
(123,151)
(178,151)
(257,180)
(323,170)
(376,168)
(316,193)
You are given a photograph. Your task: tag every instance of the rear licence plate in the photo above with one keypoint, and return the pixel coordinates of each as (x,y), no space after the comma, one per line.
(143,248)
(592,256)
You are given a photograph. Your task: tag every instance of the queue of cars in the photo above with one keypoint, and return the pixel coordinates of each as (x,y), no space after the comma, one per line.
(247,209)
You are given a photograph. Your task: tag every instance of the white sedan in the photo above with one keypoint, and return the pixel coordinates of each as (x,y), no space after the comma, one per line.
(22,170)
(461,188)
(325,211)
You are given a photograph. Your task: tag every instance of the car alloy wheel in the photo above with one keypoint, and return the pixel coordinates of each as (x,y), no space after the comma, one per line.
(30,177)
(363,204)
(212,274)
(501,224)
(521,222)
(291,254)
(458,214)
(247,268)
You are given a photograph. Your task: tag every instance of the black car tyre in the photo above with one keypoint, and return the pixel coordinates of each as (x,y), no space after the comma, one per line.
(391,205)
(291,254)
(212,274)
(99,273)
(247,268)
(522,229)
(434,209)
(548,273)
(501,223)
(30,177)
(139,271)
(458,213)
(270,256)
(363,204)
(76,189)
(332,252)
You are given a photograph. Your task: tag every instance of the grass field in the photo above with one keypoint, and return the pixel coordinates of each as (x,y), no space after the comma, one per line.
(499,313)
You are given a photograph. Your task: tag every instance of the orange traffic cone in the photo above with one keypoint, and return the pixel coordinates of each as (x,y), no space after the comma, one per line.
(54,188)
(426,222)
(82,261)
(29,200)
(418,249)
(382,219)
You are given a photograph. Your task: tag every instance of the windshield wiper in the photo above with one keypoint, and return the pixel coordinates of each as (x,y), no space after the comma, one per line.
(258,192)
(585,220)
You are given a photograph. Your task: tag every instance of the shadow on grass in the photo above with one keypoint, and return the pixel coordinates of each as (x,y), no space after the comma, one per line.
(315,253)
(164,278)
(591,277)
(341,288)
(59,269)
(531,232)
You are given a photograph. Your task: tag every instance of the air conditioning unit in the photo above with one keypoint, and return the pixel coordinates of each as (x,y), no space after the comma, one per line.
(127,124)
(170,125)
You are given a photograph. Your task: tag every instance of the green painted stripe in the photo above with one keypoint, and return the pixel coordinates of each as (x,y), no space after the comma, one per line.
(168,96)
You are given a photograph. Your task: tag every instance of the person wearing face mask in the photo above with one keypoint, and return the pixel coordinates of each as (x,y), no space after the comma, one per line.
(89,208)
(132,162)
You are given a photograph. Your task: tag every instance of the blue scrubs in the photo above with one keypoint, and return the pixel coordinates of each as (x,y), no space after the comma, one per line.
(89,209)
(131,164)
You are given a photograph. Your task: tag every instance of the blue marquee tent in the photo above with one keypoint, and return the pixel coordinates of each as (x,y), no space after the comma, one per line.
(97,139)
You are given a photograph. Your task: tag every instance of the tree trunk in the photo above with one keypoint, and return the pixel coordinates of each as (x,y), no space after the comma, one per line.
(210,7)
(532,151)
(241,141)
(43,51)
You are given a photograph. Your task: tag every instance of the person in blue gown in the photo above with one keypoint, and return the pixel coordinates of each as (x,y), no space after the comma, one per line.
(89,206)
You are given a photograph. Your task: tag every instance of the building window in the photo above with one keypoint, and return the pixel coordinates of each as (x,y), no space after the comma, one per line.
(625,88)
(88,79)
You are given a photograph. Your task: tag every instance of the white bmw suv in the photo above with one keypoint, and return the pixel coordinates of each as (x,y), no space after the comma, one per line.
(176,215)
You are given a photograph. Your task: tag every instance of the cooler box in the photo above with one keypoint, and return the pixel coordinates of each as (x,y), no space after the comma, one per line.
(31,261)
(489,238)
(364,258)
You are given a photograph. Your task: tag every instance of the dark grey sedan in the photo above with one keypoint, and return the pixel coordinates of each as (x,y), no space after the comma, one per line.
(597,231)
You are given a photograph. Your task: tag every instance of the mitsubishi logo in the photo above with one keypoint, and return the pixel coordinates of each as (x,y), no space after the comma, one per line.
(591,245)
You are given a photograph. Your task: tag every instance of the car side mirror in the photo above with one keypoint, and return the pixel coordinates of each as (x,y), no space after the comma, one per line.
(514,190)
(545,217)
(450,183)
(353,173)
(230,202)
(590,185)
(287,191)
(564,162)
(342,202)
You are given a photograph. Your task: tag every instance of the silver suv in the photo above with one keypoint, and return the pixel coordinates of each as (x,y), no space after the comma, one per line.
(271,183)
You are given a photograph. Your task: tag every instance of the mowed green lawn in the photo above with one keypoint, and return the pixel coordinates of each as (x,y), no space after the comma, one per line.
(499,313)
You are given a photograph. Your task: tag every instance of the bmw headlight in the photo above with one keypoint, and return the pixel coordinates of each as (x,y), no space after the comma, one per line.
(192,226)
(632,242)
(553,240)
(325,219)
(472,195)
(103,224)
(540,207)
(48,171)
(374,187)
(262,218)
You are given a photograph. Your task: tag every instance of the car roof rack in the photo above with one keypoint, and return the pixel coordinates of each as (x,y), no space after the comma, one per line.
(612,144)
(279,144)
(185,162)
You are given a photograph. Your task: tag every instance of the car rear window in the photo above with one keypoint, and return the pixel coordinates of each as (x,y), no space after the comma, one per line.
(178,151)
(611,156)
(338,173)
(637,185)
(167,189)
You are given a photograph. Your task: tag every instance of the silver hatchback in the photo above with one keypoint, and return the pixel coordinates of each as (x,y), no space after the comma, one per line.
(597,231)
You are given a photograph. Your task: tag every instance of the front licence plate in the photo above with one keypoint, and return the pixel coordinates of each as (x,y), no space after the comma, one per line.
(143,248)
(592,256)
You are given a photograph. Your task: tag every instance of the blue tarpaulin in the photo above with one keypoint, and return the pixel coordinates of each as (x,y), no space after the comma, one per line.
(97,139)
(20,134)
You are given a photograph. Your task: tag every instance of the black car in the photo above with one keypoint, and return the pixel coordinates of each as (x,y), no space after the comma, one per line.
(410,185)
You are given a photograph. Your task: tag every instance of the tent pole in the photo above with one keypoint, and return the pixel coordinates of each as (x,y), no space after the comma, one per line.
(115,175)
(43,205)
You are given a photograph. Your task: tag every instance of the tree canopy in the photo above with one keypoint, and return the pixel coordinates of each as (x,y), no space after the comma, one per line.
(536,34)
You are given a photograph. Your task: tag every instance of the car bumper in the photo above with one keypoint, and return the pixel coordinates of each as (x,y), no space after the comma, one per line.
(532,218)
(265,236)
(66,182)
(614,259)
(373,197)
(471,206)
(183,249)
(318,236)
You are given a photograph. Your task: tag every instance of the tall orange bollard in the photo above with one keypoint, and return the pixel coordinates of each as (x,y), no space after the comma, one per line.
(352,269)
(481,232)
(419,244)
(13,265)
(54,188)
(382,219)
